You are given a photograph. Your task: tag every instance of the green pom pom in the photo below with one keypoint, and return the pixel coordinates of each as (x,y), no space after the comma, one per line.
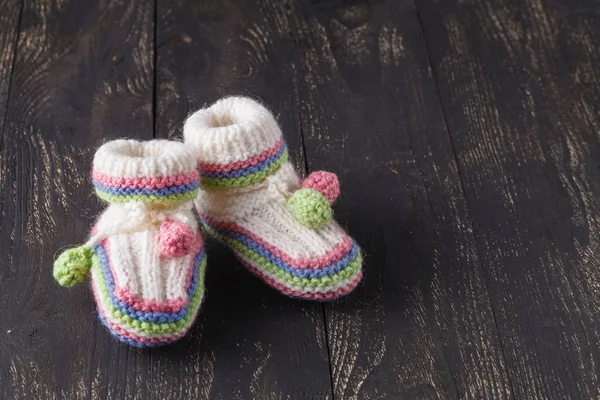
(310,208)
(73,265)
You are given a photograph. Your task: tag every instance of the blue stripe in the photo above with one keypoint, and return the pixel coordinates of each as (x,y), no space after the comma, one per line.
(153,317)
(166,191)
(298,272)
(129,341)
(252,169)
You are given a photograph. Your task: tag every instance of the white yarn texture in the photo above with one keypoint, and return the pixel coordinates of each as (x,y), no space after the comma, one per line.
(232,129)
(127,158)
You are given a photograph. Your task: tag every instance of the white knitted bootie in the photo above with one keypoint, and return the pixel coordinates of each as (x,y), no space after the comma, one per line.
(145,252)
(252,199)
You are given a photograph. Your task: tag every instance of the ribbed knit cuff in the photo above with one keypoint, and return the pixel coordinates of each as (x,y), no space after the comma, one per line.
(237,143)
(155,172)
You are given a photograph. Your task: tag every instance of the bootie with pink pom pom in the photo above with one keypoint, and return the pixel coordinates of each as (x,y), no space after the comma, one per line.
(251,198)
(145,252)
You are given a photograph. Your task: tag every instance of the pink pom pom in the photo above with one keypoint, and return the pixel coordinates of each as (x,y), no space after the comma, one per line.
(176,239)
(325,183)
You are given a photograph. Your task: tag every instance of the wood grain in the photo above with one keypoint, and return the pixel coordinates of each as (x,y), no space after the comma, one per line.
(10,11)
(518,83)
(251,342)
(466,137)
(421,326)
(82,74)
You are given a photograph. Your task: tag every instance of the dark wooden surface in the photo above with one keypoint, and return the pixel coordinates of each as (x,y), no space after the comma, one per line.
(466,134)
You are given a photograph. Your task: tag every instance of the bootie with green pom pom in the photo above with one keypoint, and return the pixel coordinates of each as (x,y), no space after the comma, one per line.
(145,253)
(251,198)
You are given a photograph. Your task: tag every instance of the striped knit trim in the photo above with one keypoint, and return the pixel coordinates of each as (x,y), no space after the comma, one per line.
(334,287)
(116,325)
(167,200)
(345,269)
(141,327)
(139,339)
(137,309)
(158,190)
(158,182)
(247,172)
(345,287)
(335,265)
(135,340)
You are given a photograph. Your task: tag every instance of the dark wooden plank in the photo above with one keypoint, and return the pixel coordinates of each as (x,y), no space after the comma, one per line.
(421,325)
(10,11)
(519,89)
(577,30)
(518,82)
(9,21)
(251,342)
(83,74)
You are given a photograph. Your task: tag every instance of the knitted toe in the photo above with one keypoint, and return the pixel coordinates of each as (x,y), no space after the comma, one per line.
(140,322)
(323,277)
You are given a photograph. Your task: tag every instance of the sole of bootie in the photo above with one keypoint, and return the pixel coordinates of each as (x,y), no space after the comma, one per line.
(316,292)
(133,322)
(324,278)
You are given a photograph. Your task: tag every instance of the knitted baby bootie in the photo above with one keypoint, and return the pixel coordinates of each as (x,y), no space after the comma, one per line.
(252,199)
(145,252)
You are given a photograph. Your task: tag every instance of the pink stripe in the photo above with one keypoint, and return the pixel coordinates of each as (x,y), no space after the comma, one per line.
(305,295)
(338,251)
(131,335)
(242,164)
(144,305)
(140,304)
(158,182)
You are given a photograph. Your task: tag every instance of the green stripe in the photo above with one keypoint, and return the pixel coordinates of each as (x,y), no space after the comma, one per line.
(149,328)
(148,198)
(244,180)
(351,269)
